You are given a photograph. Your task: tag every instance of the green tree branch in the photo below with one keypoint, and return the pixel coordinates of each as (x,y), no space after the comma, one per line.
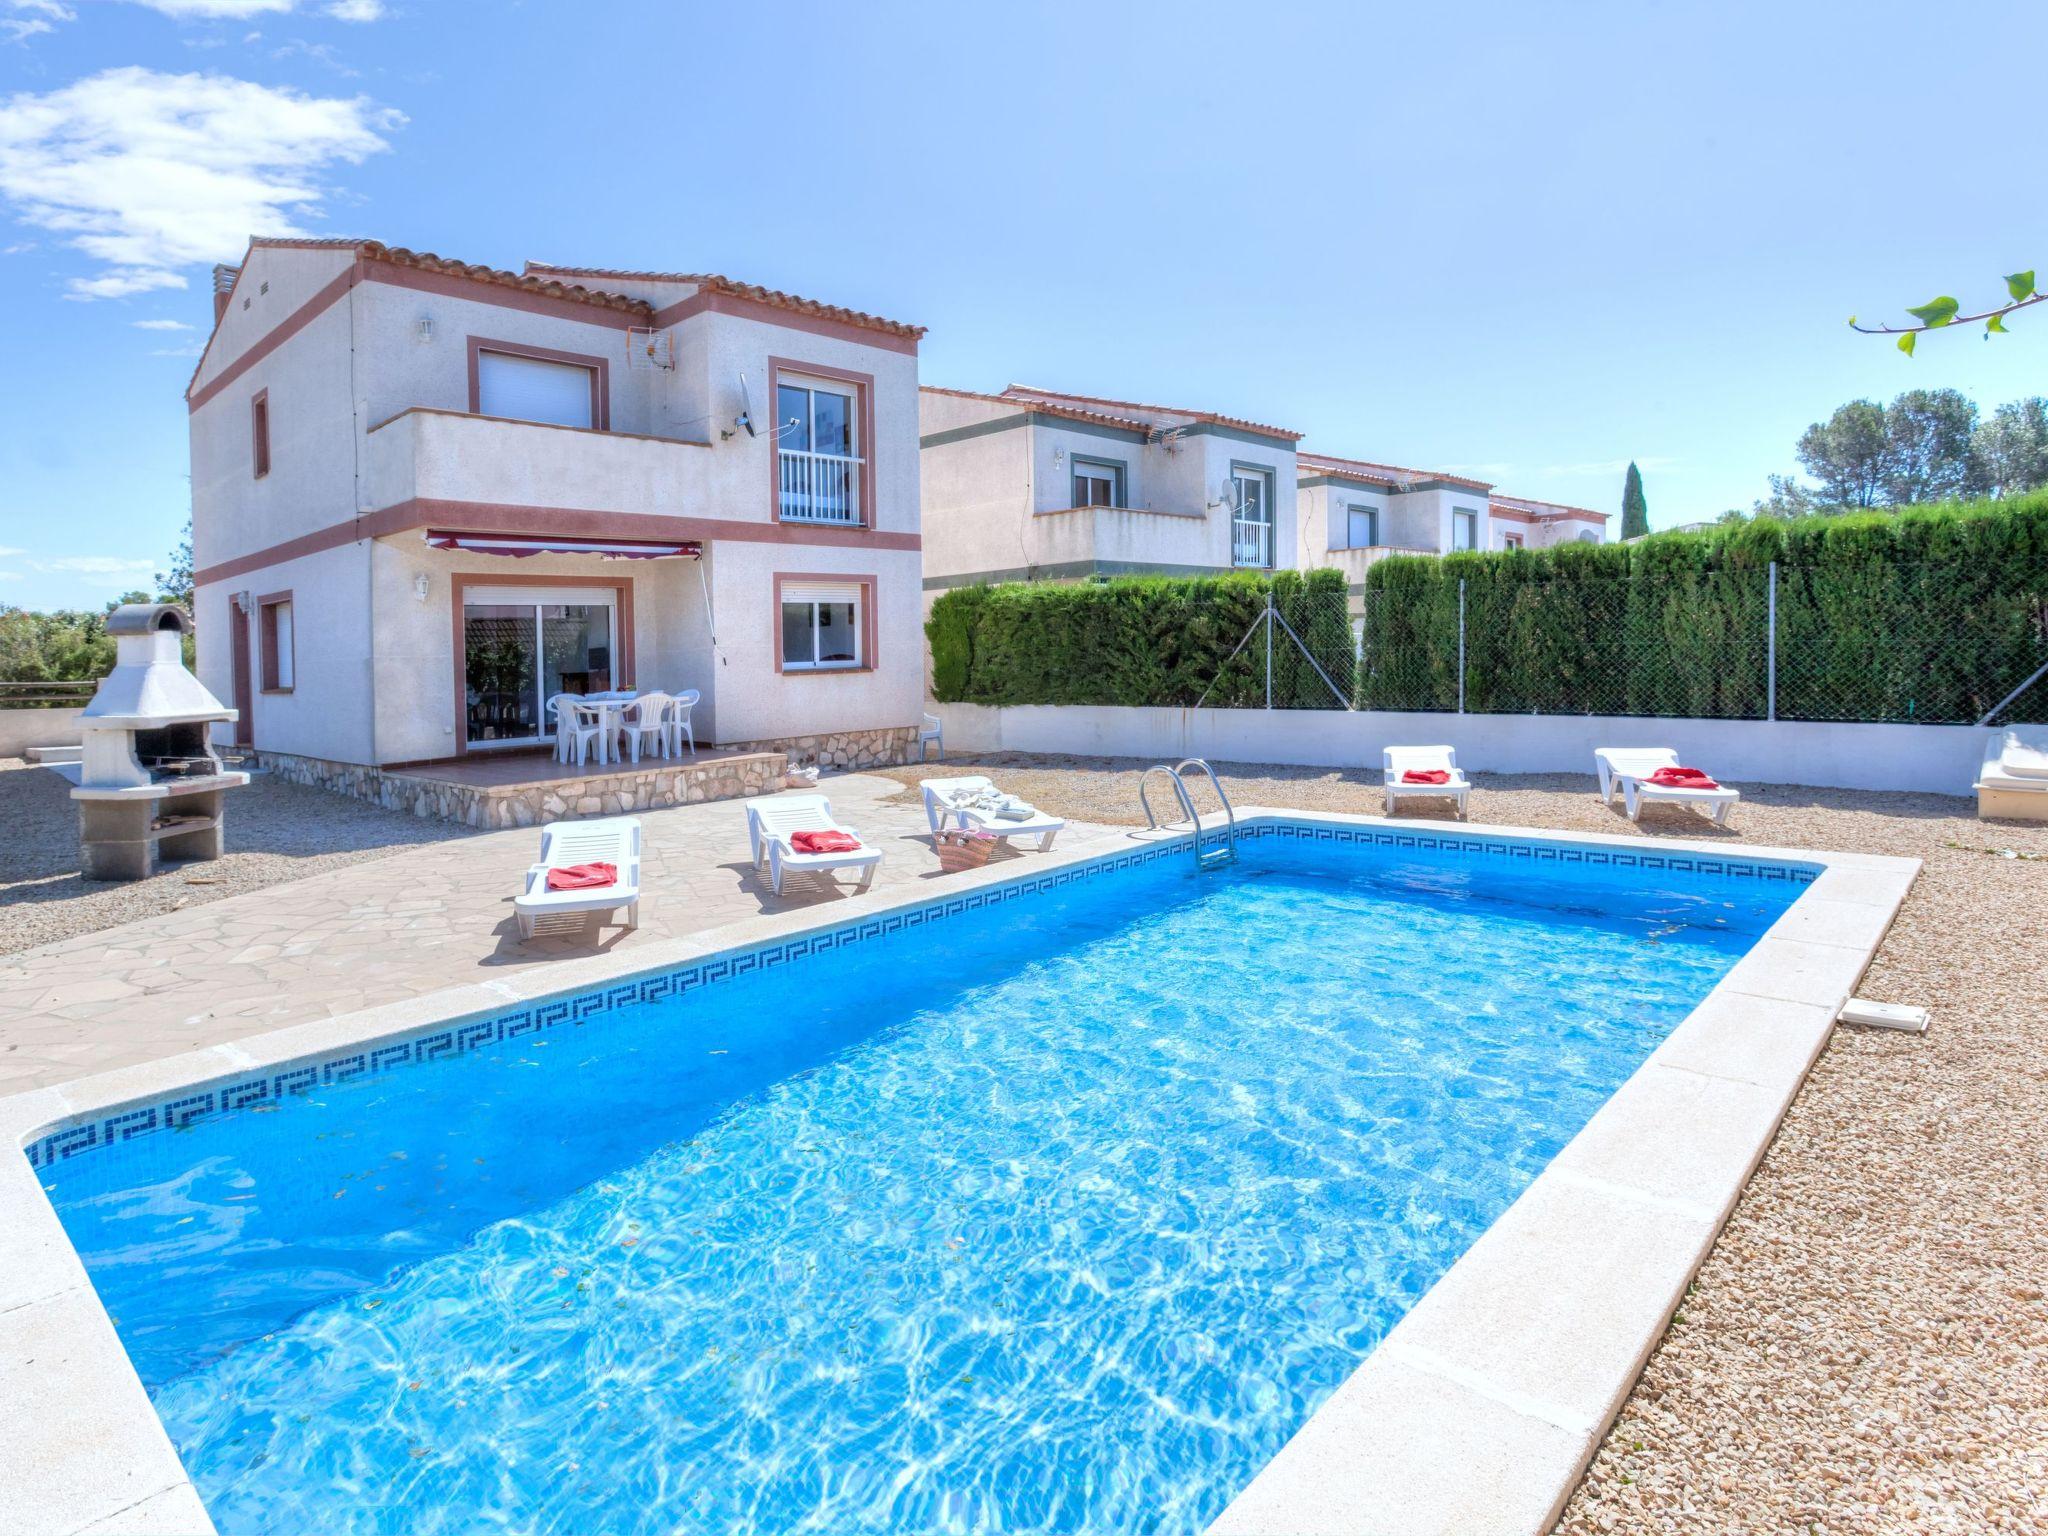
(1937,313)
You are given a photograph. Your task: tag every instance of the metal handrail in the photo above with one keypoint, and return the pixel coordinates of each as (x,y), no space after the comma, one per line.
(1219,855)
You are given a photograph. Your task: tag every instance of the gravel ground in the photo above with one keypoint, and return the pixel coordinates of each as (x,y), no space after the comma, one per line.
(1866,1348)
(276,832)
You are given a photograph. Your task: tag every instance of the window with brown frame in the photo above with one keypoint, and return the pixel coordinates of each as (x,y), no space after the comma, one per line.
(274,632)
(259,432)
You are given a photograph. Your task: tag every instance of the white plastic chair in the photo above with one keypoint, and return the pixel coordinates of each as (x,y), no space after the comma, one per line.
(1628,769)
(645,720)
(933,730)
(573,735)
(613,840)
(679,727)
(773,822)
(1397,761)
(959,800)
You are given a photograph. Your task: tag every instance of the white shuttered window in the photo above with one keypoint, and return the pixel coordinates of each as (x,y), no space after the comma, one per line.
(821,625)
(532,389)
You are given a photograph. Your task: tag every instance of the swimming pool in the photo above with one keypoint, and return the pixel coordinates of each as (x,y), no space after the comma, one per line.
(1060,1211)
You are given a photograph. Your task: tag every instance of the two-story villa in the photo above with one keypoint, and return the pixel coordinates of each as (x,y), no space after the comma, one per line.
(428,497)
(1035,484)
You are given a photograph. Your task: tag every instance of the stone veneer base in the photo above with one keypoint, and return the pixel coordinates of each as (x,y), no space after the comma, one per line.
(751,768)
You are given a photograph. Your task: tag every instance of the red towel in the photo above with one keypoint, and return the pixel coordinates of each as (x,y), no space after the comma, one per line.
(1426,776)
(1682,778)
(582,877)
(824,842)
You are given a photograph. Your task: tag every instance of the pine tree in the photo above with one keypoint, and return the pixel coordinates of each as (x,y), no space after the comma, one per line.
(1635,512)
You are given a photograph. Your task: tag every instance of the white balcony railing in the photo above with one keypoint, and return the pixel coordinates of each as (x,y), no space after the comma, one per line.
(820,488)
(1251,542)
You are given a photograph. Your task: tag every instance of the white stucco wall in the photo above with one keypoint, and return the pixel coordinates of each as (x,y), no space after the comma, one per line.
(21,729)
(1941,759)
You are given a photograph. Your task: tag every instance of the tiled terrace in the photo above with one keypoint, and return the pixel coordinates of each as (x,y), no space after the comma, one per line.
(419,921)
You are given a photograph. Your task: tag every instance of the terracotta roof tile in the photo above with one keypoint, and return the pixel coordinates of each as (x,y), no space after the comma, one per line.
(427,261)
(1048,408)
(1549,511)
(711,282)
(1027,392)
(1396,476)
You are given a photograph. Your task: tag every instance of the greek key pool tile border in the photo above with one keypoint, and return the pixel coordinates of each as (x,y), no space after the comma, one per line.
(439,1043)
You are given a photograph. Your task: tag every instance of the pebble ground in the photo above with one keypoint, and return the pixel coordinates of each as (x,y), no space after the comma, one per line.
(275,832)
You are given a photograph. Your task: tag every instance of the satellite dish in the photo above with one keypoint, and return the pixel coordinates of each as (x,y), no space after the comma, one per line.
(746,416)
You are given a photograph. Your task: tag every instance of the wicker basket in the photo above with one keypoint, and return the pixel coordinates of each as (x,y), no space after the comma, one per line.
(960,850)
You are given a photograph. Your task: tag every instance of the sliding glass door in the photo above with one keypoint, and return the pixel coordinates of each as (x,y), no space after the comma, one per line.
(521,647)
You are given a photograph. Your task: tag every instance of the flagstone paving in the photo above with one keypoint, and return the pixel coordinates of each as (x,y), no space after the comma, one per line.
(398,927)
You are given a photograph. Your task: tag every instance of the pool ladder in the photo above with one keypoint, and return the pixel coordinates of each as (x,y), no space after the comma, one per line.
(1208,855)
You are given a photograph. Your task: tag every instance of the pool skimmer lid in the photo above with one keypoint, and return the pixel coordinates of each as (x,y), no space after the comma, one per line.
(1900,1016)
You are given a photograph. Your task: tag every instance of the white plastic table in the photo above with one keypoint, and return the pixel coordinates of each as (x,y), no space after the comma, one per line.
(610,710)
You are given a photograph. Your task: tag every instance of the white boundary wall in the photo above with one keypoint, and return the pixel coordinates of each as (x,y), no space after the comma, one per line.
(21,729)
(1943,759)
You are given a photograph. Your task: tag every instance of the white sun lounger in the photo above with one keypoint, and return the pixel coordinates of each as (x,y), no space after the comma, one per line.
(953,800)
(1629,768)
(614,840)
(1399,760)
(771,823)
(2013,783)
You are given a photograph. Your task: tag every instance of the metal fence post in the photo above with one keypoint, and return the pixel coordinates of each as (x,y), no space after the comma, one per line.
(1269,650)
(1461,645)
(1771,647)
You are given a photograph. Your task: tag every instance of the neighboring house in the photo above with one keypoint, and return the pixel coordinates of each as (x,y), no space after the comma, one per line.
(1034,484)
(1520,523)
(1354,513)
(428,496)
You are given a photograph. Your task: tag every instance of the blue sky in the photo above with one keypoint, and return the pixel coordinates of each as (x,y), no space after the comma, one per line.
(1531,242)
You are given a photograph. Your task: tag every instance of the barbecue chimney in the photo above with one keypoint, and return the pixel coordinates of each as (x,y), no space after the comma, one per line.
(149,784)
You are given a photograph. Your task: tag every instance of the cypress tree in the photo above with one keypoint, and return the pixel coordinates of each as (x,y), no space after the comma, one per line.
(1635,512)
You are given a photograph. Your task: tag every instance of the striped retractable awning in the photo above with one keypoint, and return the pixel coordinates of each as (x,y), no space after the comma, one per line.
(520,545)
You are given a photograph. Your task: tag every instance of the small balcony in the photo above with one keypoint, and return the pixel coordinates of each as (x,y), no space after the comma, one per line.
(821,488)
(436,455)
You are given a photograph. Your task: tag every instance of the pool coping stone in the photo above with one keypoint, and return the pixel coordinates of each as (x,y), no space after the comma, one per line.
(1477,1413)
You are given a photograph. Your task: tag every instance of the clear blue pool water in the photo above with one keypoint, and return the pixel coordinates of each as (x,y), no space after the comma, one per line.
(1056,1217)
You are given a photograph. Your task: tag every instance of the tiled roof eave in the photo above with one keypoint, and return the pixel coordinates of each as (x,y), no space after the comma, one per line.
(711,282)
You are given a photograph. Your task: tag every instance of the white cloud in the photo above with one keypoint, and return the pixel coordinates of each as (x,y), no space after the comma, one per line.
(33,18)
(11,576)
(357,10)
(8,553)
(196,349)
(99,570)
(147,172)
(215,10)
(160,325)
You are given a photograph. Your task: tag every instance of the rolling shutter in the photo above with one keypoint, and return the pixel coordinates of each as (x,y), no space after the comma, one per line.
(821,592)
(531,389)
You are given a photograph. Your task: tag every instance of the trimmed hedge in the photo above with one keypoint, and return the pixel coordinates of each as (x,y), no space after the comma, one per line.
(1932,614)
(1139,640)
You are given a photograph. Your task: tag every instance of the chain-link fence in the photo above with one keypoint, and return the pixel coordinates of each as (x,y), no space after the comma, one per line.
(1929,644)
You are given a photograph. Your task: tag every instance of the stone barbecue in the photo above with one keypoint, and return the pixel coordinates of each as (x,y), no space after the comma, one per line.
(149,785)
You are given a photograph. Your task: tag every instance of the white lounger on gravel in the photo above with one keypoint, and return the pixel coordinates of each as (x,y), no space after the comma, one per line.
(1400,760)
(771,823)
(614,840)
(975,803)
(1629,768)
(2013,783)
